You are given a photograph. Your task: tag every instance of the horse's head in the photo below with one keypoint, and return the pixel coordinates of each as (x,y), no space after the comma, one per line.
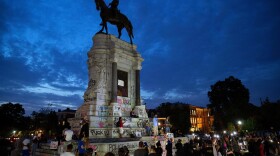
(97,3)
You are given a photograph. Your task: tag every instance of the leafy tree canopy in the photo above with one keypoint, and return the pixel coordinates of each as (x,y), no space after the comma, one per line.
(269,116)
(11,118)
(229,100)
(46,119)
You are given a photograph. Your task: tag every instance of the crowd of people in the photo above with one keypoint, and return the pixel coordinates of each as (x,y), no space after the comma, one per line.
(142,150)
(230,145)
(226,145)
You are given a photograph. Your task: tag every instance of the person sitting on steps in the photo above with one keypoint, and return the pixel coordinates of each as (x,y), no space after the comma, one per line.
(133,114)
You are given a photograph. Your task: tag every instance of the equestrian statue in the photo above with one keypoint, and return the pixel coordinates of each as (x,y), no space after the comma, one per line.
(112,15)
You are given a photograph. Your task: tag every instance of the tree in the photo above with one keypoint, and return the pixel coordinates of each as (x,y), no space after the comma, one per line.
(178,113)
(46,120)
(249,124)
(229,101)
(269,116)
(11,118)
(231,127)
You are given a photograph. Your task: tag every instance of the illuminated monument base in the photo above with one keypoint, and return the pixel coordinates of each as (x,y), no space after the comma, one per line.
(113,91)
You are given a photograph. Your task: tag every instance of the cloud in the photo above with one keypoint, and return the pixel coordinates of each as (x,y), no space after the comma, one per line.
(47,89)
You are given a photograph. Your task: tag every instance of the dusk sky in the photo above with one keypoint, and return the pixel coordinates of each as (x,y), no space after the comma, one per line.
(187,46)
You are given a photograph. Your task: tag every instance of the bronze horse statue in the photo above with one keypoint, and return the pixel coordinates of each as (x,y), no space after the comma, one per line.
(120,20)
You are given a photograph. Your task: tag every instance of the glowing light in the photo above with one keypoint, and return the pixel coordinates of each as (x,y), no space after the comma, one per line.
(239,122)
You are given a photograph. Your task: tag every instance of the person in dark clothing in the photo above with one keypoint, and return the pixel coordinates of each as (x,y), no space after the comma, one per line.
(114,8)
(251,148)
(121,151)
(84,130)
(152,151)
(188,148)
(141,151)
(168,148)
(158,149)
(179,147)
(266,146)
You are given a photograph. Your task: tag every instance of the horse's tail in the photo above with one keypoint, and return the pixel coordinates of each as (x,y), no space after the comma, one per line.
(130,25)
(127,24)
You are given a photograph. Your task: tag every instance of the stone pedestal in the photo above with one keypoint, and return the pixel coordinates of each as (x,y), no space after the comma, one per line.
(113,91)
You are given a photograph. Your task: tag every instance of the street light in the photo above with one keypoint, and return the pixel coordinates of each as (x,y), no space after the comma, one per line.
(239,122)
(239,125)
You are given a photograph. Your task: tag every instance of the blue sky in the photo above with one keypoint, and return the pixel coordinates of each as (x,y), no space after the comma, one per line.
(187,46)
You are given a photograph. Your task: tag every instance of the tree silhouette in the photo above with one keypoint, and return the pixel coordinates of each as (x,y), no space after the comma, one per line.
(46,120)
(229,100)
(11,118)
(269,116)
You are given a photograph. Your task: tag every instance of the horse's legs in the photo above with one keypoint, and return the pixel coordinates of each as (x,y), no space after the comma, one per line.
(120,31)
(106,28)
(130,35)
(104,25)
(130,39)
(101,30)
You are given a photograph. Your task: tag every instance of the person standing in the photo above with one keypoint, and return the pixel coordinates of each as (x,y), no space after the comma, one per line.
(109,154)
(168,148)
(26,147)
(126,150)
(179,147)
(141,151)
(155,125)
(167,125)
(260,147)
(153,151)
(148,128)
(68,151)
(159,150)
(81,147)
(120,126)
(85,129)
(34,145)
(123,151)
(68,133)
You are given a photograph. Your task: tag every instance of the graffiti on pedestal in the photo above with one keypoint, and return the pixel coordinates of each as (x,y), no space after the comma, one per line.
(115,147)
(99,122)
(123,100)
(140,123)
(99,132)
(126,122)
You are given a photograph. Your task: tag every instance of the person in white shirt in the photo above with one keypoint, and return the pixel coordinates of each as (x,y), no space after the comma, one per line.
(26,147)
(155,125)
(68,134)
(68,151)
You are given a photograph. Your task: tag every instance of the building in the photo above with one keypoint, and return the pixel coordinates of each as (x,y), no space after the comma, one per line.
(200,119)
(63,115)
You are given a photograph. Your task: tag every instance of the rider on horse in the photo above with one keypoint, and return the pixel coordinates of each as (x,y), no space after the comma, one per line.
(114,17)
(114,8)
